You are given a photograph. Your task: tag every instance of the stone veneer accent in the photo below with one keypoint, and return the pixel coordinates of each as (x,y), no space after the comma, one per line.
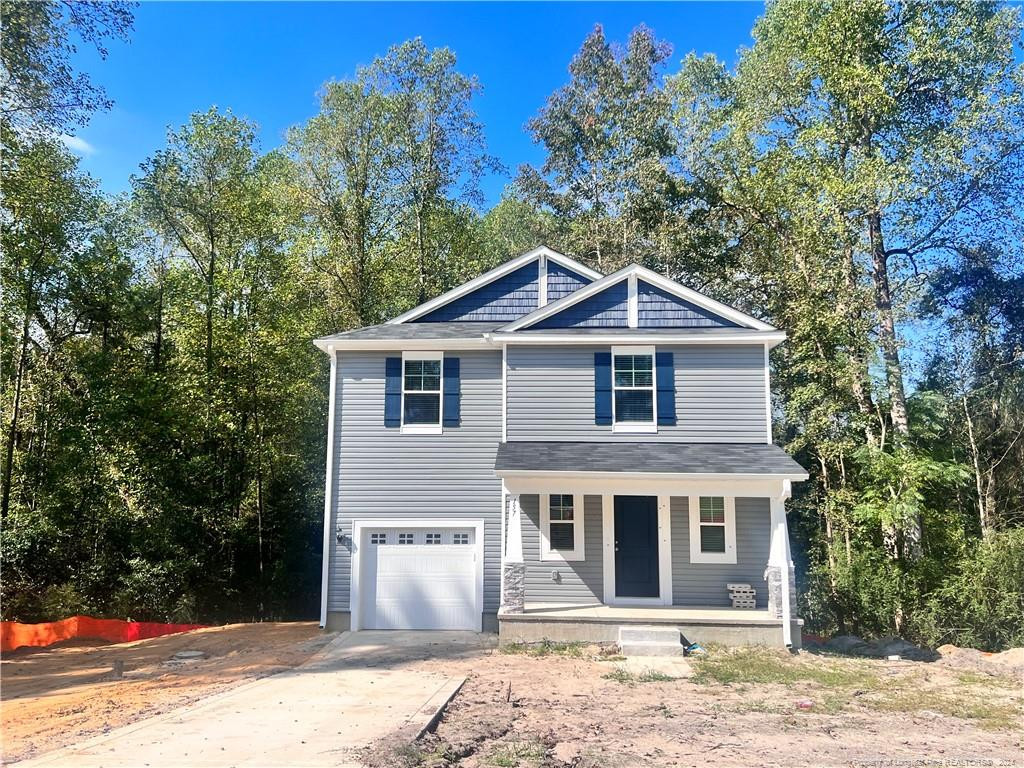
(513,590)
(773,575)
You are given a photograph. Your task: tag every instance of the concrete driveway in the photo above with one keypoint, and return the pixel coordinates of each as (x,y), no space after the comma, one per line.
(354,692)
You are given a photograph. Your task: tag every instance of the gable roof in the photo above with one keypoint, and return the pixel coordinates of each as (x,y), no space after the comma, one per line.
(495,274)
(632,274)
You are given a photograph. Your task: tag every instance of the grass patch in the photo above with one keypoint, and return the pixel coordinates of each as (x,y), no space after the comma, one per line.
(763,665)
(625,677)
(516,753)
(545,648)
(983,711)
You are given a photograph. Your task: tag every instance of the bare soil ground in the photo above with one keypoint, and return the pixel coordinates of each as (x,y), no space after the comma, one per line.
(573,707)
(60,695)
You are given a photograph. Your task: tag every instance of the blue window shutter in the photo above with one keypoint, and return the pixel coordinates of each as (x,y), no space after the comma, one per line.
(666,373)
(393,392)
(452,388)
(602,387)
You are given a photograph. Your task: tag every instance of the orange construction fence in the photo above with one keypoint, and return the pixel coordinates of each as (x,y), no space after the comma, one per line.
(16,635)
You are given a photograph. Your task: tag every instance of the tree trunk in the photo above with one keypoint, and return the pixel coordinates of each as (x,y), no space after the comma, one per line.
(910,530)
(887,326)
(981,486)
(12,430)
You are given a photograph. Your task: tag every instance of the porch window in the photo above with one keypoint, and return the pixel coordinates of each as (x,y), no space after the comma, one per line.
(421,392)
(712,529)
(561,526)
(633,389)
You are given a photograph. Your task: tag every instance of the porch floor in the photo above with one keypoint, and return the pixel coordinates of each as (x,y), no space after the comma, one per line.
(600,623)
(655,614)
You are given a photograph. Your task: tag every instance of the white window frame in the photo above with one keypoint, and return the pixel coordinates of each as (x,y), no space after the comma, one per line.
(729,556)
(424,429)
(636,427)
(578,551)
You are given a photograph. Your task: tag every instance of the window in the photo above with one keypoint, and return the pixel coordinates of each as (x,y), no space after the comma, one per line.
(433,538)
(378,538)
(405,538)
(460,538)
(421,392)
(633,389)
(561,519)
(712,529)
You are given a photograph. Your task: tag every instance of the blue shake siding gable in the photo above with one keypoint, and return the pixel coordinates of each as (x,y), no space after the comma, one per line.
(506,299)
(659,309)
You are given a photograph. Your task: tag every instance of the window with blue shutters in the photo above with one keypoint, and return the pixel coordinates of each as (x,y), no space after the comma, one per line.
(633,389)
(421,392)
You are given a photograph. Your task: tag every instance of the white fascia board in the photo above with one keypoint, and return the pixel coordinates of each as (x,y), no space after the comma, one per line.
(631,476)
(702,301)
(634,271)
(770,339)
(569,263)
(489,277)
(403,344)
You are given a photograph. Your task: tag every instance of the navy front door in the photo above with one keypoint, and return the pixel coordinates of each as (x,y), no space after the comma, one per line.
(636,546)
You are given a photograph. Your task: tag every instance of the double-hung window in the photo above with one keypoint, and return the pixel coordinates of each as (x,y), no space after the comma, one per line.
(712,529)
(633,389)
(421,392)
(561,526)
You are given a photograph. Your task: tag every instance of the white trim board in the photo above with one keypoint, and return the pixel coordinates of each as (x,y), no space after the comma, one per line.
(328,490)
(490,340)
(636,336)
(542,252)
(633,272)
(358,527)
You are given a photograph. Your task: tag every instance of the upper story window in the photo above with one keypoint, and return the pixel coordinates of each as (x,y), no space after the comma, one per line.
(633,389)
(561,526)
(421,392)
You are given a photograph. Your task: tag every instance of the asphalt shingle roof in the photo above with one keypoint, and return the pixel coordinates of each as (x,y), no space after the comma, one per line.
(662,457)
(449,330)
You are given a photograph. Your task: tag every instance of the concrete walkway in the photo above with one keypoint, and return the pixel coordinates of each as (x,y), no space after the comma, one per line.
(321,713)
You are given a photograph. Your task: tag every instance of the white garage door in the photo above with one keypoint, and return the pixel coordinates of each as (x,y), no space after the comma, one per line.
(419,578)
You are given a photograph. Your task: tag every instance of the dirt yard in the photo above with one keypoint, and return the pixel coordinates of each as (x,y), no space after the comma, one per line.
(571,707)
(52,697)
(564,706)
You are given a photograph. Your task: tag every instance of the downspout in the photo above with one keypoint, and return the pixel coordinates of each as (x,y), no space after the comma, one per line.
(328,488)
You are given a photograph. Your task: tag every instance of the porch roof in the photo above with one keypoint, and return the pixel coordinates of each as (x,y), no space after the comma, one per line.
(529,457)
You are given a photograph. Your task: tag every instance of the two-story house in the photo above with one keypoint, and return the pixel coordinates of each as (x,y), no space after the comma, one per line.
(552,453)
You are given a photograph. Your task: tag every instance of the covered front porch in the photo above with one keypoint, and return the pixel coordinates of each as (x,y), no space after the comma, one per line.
(587,552)
(600,623)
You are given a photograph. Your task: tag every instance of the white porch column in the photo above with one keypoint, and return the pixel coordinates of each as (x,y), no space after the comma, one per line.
(513,570)
(780,571)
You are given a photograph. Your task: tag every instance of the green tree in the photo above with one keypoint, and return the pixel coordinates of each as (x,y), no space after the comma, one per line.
(39,89)
(606,136)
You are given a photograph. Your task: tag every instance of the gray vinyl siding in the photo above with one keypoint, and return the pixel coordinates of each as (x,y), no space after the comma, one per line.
(579,582)
(704,583)
(719,395)
(381,473)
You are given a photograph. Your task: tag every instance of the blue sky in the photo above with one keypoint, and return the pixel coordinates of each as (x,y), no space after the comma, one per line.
(266,61)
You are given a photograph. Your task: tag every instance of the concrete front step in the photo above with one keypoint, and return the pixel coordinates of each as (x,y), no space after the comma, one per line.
(649,634)
(652,649)
(650,641)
